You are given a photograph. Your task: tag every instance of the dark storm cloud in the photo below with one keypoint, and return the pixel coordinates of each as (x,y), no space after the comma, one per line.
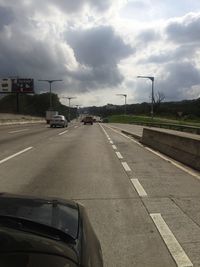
(23,55)
(97,51)
(67,6)
(186,30)
(148,36)
(180,53)
(97,77)
(175,81)
(70,6)
(98,46)
(100,49)
(178,79)
(6,16)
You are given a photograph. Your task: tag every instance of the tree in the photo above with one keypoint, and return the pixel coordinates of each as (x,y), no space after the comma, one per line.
(158,99)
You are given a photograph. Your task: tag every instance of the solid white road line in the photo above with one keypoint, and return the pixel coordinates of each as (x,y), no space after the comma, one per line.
(139,188)
(119,155)
(16,154)
(111,142)
(174,247)
(174,163)
(17,131)
(114,147)
(126,167)
(63,132)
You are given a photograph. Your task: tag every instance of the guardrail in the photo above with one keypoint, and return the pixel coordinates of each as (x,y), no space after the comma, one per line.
(177,127)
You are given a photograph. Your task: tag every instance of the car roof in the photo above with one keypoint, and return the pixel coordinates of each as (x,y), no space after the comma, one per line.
(58,116)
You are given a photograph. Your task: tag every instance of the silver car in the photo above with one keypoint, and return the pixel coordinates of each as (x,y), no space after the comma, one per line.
(58,120)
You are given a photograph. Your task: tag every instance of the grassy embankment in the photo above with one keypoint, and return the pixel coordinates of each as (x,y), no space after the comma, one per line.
(145,119)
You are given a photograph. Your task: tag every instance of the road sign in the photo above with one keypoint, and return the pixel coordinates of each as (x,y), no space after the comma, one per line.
(5,86)
(23,85)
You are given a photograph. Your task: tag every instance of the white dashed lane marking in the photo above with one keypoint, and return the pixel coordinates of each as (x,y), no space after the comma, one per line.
(16,154)
(139,188)
(17,131)
(126,167)
(171,242)
(119,155)
(114,147)
(63,132)
(111,142)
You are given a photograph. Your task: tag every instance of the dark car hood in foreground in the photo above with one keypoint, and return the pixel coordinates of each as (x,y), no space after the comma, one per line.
(49,227)
(39,230)
(57,213)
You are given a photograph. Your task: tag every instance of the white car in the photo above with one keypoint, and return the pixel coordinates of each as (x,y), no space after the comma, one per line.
(58,120)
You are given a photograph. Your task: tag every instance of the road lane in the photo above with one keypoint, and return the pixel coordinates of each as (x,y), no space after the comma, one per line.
(172,192)
(12,143)
(83,165)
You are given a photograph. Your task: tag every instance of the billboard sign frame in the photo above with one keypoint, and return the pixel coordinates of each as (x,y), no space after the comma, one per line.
(23,85)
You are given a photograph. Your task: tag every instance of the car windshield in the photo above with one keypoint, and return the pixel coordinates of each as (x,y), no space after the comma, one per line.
(100,107)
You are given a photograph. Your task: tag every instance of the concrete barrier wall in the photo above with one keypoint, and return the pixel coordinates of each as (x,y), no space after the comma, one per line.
(183,149)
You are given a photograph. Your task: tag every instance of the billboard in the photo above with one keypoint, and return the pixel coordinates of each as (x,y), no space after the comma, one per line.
(5,86)
(22,85)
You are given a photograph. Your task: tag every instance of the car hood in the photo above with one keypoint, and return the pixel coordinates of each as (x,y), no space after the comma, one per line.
(57,213)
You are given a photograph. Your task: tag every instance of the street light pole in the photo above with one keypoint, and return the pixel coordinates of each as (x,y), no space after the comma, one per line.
(125,96)
(152,91)
(69,98)
(77,106)
(50,96)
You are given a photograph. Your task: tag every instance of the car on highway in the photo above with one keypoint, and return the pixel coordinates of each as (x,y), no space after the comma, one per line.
(88,120)
(46,232)
(58,120)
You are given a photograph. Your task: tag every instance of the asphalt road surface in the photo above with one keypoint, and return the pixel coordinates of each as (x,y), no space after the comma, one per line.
(144,209)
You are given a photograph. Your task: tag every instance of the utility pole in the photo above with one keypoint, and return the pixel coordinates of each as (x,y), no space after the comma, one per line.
(50,96)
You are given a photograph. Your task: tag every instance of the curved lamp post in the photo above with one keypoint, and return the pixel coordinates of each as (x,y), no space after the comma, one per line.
(69,98)
(152,91)
(125,96)
(50,96)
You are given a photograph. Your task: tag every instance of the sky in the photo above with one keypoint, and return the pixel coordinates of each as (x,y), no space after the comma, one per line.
(99,47)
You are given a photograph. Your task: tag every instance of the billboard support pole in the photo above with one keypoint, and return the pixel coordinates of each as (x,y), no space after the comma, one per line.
(17,98)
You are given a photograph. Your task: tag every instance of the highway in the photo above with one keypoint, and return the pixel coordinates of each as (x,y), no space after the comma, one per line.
(144,209)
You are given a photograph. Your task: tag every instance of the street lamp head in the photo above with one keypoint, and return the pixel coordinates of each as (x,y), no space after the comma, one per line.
(50,81)
(147,77)
(122,94)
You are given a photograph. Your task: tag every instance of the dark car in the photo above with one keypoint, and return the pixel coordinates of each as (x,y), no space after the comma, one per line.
(46,232)
(88,120)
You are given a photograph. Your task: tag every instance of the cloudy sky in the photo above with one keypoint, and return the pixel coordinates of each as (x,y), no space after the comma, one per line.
(99,47)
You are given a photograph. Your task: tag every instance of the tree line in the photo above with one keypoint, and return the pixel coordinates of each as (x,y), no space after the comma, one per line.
(34,105)
(189,109)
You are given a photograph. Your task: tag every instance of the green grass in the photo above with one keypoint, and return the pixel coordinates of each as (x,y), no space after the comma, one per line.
(140,119)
